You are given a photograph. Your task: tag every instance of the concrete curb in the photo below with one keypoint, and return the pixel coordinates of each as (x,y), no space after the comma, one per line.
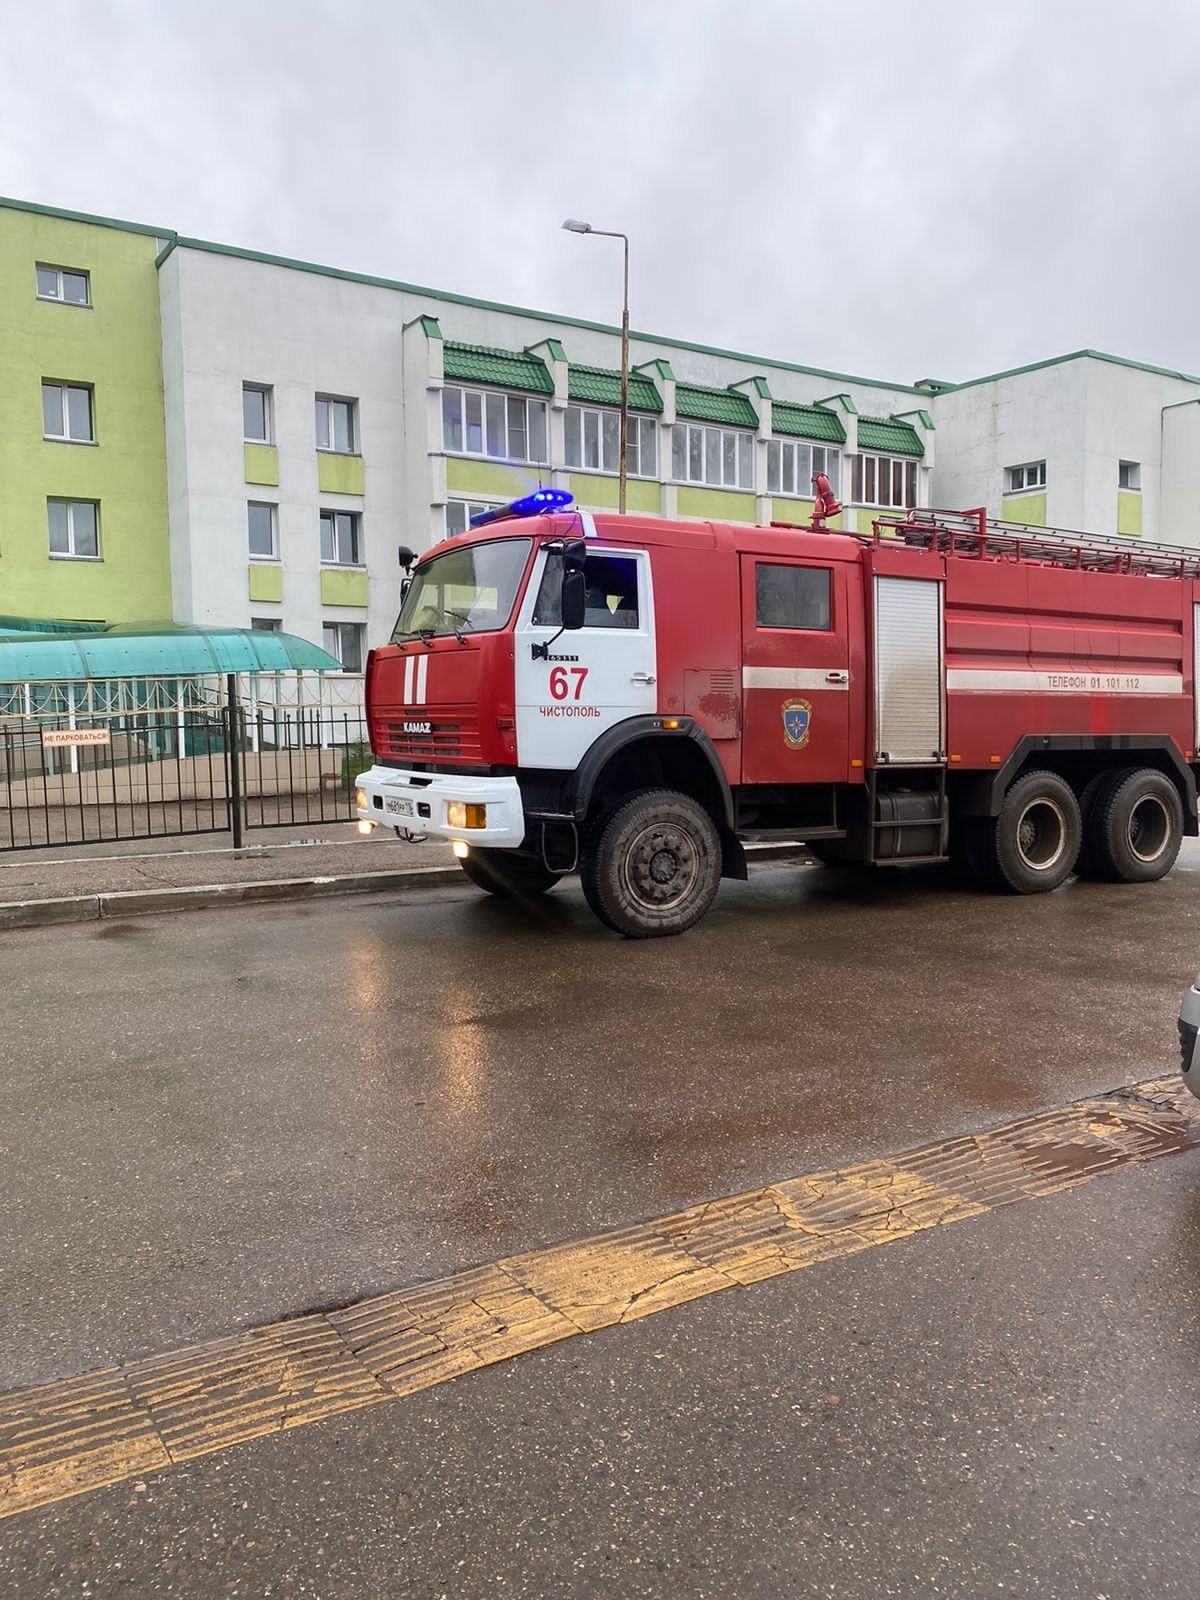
(202,897)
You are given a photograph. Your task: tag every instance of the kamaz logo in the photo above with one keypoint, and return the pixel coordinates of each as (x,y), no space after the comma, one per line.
(418,727)
(562,658)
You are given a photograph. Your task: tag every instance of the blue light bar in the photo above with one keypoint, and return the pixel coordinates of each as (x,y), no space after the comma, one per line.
(530,505)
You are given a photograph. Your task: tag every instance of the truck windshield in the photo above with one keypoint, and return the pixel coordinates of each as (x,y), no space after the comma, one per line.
(470,590)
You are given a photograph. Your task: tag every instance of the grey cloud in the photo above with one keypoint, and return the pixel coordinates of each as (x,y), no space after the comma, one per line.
(892,190)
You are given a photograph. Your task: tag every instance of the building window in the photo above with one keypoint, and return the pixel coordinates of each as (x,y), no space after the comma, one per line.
(1018,480)
(266,624)
(1129,475)
(256,413)
(74,529)
(67,412)
(460,512)
(791,597)
(594,442)
(505,427)
(260,529)
(887,481)
(341,539)
(67,284)
(336,424)
(345,641)
(721,457)
(792,465)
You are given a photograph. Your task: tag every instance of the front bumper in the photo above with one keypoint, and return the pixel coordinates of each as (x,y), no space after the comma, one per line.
(1189,1029)
(419,802)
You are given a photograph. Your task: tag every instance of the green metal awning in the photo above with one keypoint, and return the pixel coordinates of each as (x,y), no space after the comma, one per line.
(601,386)
(807,422)
(155,652)
(506,369)
(888,435)
(728,406)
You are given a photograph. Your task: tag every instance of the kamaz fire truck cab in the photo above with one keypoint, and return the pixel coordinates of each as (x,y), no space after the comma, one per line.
(634,697)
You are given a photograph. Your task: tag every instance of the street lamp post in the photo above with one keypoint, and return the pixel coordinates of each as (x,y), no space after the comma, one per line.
(573,225)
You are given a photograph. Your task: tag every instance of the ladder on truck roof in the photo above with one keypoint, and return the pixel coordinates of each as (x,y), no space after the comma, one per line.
(976,536)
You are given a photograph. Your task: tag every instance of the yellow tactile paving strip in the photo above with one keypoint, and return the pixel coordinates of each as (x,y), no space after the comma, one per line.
(79,1434)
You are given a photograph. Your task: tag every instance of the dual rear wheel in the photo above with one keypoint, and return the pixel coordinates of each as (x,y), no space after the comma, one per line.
(1125,826)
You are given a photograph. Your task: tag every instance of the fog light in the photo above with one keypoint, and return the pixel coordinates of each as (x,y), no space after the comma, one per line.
(360,799)
(365,828)
(459,814)
(461,849)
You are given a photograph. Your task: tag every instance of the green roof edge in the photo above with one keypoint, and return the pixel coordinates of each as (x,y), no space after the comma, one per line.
(174,240)
(1058,361)
(90,218)
(184,243)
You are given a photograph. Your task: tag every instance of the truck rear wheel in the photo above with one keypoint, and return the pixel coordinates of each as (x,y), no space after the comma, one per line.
(1136,827)
(652,868)
(1033,844)
(508,875)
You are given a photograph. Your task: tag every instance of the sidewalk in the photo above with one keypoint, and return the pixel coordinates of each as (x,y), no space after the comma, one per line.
(68,884)
(87,882)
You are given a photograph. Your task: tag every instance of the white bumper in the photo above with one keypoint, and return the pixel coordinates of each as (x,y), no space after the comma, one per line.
(420,802)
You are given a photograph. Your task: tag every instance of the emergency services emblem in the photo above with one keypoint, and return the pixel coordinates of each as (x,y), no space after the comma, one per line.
(797,720)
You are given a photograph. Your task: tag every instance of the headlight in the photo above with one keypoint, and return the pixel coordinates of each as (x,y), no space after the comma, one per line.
(460,814)
(360,799)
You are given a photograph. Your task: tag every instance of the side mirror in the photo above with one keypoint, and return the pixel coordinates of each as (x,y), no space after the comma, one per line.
(406,557)
(574,555)
(574,593)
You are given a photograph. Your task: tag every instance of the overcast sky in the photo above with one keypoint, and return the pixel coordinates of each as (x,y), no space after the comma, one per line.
(899,190)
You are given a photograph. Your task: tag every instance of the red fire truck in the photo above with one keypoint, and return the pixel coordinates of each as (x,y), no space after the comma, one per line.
(635,698)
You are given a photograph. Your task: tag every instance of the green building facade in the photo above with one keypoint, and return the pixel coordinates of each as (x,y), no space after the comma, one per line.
(83,476)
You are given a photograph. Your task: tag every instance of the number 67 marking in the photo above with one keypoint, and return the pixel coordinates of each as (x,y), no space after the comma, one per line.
(560,687)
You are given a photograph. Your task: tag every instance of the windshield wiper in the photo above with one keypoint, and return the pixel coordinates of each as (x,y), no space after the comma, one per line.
(458,631)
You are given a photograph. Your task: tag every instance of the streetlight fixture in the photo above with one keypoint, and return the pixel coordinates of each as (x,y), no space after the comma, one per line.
(573,225)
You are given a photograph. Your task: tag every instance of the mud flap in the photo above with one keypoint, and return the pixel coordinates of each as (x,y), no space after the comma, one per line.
(733,857)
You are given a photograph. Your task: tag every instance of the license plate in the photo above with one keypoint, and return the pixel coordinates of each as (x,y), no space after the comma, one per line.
(396,807)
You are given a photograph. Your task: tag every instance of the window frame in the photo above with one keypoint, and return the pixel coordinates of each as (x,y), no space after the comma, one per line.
(271,506)
(766,563)
(338,625)
(72,554)
(907,465)
(268,396)
(487,420)
(351,403)
(61,275)
(356,535)
(831,457)
(1135,469)
(643,426)
(470,508)
(1028,484)
(549,591)
(704,434)
(65,387)
(266,624)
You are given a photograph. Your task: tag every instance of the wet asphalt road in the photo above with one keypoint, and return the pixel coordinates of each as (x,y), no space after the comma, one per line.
(214,1120)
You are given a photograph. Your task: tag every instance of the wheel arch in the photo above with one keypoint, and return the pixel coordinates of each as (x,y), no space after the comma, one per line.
(682,758)
(1078,757)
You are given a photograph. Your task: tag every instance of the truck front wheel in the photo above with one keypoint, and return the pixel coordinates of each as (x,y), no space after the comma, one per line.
(508,875)
(653,866)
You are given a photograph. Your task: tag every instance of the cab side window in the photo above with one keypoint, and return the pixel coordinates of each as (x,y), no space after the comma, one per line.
(612,593)
(792,597)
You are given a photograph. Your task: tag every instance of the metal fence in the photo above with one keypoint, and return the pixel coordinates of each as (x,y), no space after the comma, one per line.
(145,758)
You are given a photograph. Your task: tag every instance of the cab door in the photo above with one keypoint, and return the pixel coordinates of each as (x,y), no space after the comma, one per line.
(795,671)
(572,687)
